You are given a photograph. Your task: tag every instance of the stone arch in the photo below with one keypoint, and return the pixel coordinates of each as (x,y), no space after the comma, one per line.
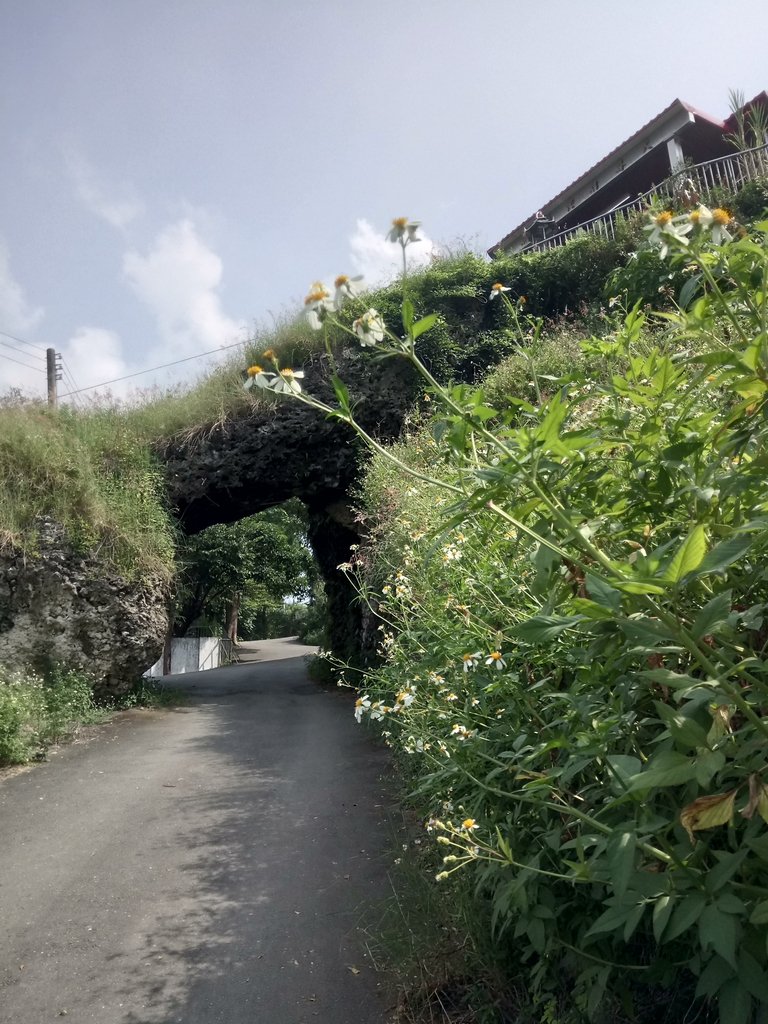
(266,455)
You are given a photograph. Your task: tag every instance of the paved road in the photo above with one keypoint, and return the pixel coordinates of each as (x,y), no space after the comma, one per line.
(203,865)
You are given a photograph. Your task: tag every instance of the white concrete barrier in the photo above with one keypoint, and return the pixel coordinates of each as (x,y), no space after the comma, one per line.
(193,654)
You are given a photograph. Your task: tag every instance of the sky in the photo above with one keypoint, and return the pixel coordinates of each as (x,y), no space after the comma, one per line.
(176,173)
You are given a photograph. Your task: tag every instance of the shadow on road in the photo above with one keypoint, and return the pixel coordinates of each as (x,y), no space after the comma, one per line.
(282,827)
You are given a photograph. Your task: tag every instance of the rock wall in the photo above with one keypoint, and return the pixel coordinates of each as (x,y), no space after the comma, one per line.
(57,605)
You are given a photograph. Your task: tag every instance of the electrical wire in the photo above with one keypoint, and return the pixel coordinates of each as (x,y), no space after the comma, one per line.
(150,369)
(37,369)
(15,348)
(21,341)
(70,381)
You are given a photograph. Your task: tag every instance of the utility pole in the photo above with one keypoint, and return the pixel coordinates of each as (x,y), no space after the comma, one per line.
(52,372)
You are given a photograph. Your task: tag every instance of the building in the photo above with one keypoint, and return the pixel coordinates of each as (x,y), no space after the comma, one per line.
(676,139)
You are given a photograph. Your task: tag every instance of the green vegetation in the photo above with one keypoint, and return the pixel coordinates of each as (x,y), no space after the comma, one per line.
(235,577)
(571,592)
(89,473)
(37,712)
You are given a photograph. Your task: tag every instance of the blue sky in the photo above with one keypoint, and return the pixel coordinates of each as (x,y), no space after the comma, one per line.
(175,172)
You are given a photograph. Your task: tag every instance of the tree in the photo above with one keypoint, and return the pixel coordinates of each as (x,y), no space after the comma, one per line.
(248,566)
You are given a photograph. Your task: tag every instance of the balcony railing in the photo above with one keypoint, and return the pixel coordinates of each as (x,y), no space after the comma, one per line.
(690,183)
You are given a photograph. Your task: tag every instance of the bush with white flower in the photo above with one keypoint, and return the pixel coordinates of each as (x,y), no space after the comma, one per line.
(583,672)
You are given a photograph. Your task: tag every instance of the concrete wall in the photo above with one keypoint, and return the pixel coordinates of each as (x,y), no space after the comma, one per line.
(193,654)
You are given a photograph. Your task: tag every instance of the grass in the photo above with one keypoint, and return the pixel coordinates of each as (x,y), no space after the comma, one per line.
(422,936)
(37,712)
(40,711)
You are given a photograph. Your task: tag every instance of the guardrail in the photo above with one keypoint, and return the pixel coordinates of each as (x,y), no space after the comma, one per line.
(689,184)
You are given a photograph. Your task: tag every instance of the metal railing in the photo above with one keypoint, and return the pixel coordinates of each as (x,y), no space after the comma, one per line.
(688,184)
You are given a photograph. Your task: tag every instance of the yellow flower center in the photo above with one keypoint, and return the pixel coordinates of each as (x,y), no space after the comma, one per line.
(467,657)
(498,287)
(400,223)
(254,370)
(721,216)
(495,655)
(664,218)
(316,296)
(469,823)
(287,373)
(694,216)
(340,281)
(269,354)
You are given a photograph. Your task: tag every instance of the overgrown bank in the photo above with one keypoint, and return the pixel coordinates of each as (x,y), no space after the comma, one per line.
(571,600)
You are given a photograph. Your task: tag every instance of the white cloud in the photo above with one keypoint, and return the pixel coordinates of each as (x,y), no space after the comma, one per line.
(380,261)
(178,280)
(92,355)
(16,313)
(20,318)
(117,210)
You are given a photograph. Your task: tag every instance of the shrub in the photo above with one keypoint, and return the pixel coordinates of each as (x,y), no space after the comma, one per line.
(573,636)
(38,710)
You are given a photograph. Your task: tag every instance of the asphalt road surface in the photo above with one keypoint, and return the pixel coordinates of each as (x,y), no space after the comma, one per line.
(208,864)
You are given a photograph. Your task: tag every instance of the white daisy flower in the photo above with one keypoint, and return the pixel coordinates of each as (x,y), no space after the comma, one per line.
(664,227)
(258,378)
(346,288)
(497,289)
(403,231)
(362,704)
(318,305)
(496,658)
(287,382)
(369,328)
(471,660)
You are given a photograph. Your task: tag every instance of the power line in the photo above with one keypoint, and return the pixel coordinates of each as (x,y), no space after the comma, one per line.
(71,382)
(16,348)
(28,365)
(21,341)
(163,366)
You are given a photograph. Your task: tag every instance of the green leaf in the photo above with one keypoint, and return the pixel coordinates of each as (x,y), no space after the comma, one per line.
(688,556)
(760,914)
(734,1003)
(544,627)
(610,920)
(662,911)
(718,931)
(729,864)
(590,609)
(407,316)
(635,916)
(715,974)
(669,768)
(623,768)
(688,290)
(621,860)
(640,587)
(342,393)
(602,593)
(674,680)
(684,730)
(753,976)
(726,553)
(685,914)
(425,324)
(712,615)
